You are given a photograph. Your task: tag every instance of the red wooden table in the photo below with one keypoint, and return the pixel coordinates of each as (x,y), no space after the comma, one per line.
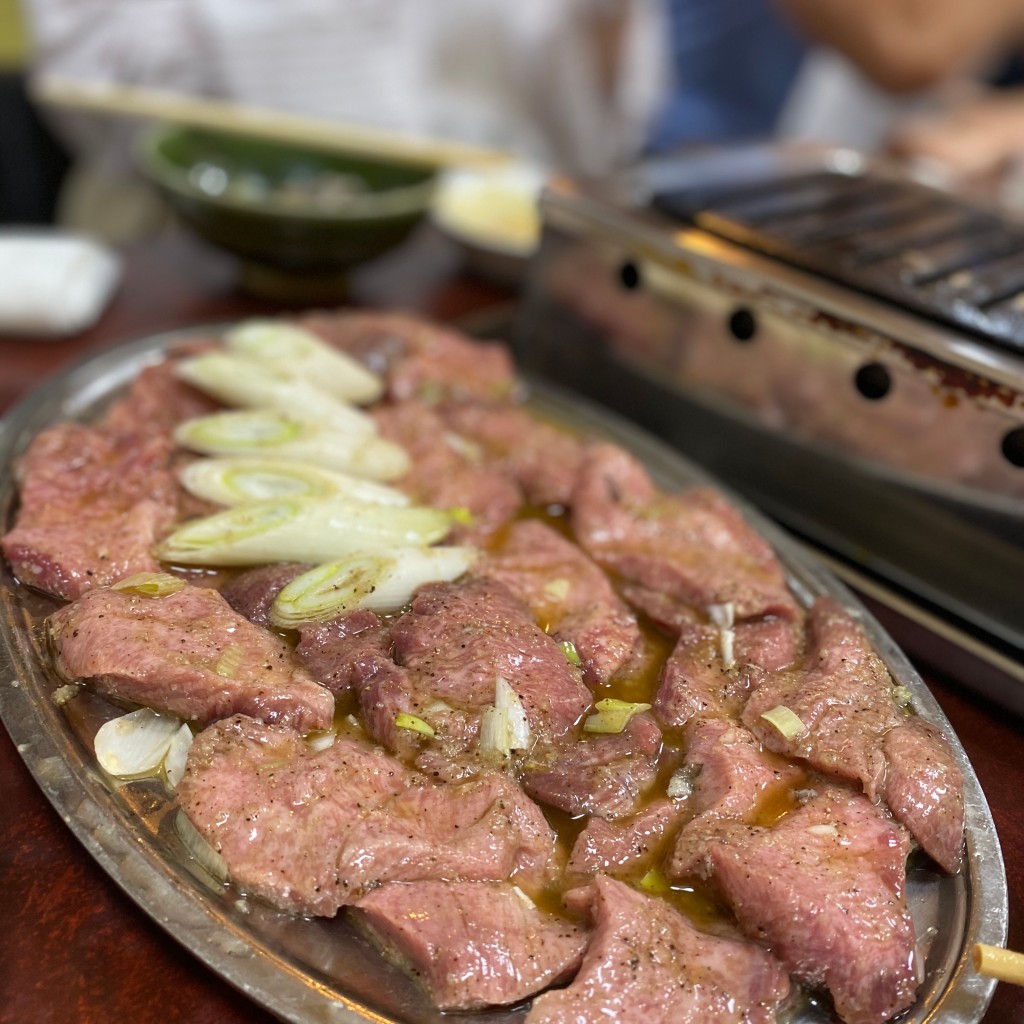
(73,948)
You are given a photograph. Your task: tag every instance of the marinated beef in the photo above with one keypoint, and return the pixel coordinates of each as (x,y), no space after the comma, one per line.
(733,775)
(924,788)
(458,638)
(158,400)
(187,653)
(568,594)
(252,593)
(471,944)
(730,778)
(842,694)
(440,855)
(92,506)
(542,458)
(694,549)
(346,652)
(314,830)
(711,671)
(446,472)
(646,963)
(825,889)
(418,359)
(624,847)
(695,680)
(607,776)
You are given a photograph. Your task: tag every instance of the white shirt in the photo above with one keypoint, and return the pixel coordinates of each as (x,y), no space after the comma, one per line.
(519,74)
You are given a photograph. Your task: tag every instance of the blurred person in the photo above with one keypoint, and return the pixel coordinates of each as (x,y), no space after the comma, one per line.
(734,64)
(969,131)
(566,84)
(897,75)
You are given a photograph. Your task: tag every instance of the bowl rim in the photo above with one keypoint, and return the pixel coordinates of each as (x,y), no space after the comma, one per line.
(385,204)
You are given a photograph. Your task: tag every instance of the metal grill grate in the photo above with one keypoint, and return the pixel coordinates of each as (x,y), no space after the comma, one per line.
(936,254)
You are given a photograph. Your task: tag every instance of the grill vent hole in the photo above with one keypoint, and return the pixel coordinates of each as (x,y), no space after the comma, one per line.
(1013,446)
(742,324)
(629,276)
(873,381)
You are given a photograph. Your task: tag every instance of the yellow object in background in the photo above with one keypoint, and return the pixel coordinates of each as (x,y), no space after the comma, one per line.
(13,38)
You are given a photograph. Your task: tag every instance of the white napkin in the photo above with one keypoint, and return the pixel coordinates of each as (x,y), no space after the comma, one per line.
(53,284)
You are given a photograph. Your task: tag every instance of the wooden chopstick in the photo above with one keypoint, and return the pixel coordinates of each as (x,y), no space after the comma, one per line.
(1001,964)
(221,115)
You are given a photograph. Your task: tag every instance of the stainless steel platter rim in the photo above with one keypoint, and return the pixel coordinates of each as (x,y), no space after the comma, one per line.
(197,919)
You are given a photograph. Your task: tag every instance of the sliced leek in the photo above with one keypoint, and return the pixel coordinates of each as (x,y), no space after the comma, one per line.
(135,744)
(382,581)
(300,530)
(295,352)
(237,481)
(177,755)
(277,435)
(238,381)
(201,851)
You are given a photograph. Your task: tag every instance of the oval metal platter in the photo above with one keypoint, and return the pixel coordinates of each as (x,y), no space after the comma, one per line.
(317,970)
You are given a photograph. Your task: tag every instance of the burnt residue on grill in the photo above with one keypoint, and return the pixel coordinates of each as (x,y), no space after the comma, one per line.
(949,380)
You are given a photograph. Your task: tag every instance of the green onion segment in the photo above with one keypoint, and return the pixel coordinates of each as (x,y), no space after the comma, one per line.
(403,720)
(238,381)
(150,584)
(237,481)
(785,721)
(613,715)
(504,726)
(269,433)
(295,352)
(135,744)
(301,530)
(382,581)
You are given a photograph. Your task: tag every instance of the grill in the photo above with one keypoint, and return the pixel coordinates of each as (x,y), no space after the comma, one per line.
(841,344)
(931,252)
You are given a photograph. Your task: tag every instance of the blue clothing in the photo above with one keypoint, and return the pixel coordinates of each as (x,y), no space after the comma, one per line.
(734,63)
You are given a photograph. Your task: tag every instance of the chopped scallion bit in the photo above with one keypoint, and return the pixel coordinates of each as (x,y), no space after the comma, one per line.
(655,883)
(570,652)
(902,696)
(785,721)
(557,590)
(613,715)
(230,661)
(403,720)
(680,785)
(724,617)
(150,584)
(504,727)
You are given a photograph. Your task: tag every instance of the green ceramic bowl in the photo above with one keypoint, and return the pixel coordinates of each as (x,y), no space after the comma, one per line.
(299,219)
